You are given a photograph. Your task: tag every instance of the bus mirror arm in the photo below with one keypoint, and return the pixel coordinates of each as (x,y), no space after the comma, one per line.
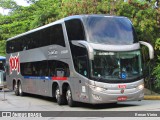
(151,50)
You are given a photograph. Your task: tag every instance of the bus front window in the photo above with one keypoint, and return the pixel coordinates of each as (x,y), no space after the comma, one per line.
(116,65)
(110,30)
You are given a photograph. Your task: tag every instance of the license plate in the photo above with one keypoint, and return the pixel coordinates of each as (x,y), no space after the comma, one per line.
(122,98)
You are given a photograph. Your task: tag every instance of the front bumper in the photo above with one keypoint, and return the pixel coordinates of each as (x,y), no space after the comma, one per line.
(112,96)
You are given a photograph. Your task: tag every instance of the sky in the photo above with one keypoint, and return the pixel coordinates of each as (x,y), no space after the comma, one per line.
(19,2)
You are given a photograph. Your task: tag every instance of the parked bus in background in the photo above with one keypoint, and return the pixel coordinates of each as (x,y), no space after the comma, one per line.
(86,58)
(2,72)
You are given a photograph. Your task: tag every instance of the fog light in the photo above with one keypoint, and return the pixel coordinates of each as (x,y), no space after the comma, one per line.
(98,89)
(96,97)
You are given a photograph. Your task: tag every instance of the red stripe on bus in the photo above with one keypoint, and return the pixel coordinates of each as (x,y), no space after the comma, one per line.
(59,78)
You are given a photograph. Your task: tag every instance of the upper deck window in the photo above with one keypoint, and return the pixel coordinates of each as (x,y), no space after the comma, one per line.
(52,35)
(75,29)
(110,30)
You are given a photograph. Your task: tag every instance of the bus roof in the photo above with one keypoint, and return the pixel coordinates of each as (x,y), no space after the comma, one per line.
(60,21)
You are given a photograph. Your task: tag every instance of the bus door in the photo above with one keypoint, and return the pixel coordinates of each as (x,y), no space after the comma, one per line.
(82,79)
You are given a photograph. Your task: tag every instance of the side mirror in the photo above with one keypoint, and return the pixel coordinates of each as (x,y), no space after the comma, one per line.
(151,50)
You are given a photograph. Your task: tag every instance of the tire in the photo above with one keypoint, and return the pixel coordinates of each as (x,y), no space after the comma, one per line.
(60,98)
(16,90)
(21,93)
(70,101)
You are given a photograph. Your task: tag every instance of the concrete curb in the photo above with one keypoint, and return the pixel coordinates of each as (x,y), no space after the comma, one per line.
(152,97)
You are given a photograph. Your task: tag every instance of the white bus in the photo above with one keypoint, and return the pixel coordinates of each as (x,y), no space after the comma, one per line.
(86,58)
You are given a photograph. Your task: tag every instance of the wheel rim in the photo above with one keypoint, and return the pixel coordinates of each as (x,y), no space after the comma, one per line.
(68,95)
(57,94)
(20,88)
(15,87)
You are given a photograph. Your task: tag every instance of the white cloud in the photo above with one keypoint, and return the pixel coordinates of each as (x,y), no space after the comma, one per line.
(3,11)
(19,2)
(22,2)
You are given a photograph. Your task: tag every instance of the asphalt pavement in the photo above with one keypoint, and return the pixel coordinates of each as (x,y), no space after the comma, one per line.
(10,102)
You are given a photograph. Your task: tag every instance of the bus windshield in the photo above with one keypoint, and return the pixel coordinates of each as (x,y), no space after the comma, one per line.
(116,65)
(110,30)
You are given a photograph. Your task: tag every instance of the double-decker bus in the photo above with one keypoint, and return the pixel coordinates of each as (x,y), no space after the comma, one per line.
(86,58)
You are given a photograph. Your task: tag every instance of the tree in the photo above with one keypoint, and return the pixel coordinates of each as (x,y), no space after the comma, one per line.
(46,11)
(2,47)
(156,71)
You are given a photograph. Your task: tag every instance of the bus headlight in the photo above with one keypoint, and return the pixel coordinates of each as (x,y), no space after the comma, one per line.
(141,86)
(98,89)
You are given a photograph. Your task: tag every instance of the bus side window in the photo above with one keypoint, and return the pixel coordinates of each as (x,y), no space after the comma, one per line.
(51,67)
(58,68)
(82,65)
(56,35)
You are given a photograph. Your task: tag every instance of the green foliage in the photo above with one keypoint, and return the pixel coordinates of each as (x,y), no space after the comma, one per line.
(2,48)
(45,12)
(157,44)
(8,4)
(156,71)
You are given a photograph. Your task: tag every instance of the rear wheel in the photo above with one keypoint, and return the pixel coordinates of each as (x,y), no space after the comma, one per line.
(60,98)
(70,101)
